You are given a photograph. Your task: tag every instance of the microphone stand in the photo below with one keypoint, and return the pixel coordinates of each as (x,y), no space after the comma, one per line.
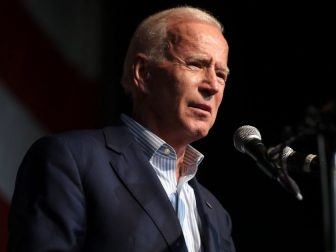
(323,123)
(328,189)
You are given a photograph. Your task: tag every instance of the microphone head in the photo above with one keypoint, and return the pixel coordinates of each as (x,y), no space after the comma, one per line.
(243,135)
(286,153)
(280,154)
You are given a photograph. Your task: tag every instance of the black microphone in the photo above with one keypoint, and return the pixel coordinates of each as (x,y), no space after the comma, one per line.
(300,163)
(247,139)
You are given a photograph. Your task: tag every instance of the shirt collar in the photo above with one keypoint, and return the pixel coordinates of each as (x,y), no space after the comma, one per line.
(151,143)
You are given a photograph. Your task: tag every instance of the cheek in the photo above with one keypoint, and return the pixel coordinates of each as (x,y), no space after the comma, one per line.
(219,98)
(168,95)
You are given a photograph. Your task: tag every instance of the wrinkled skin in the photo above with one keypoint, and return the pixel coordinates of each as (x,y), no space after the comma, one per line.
(181,95)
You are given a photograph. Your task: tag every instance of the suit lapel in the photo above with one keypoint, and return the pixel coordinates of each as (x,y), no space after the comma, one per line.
(139,177)
(209,232)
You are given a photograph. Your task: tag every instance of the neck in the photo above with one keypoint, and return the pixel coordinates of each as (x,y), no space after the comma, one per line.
(179,167)
(168,135)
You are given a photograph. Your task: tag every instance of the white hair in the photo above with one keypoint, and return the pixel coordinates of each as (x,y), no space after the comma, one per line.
(150,37)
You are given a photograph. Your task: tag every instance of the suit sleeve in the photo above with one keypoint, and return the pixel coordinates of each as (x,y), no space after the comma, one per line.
(48,206)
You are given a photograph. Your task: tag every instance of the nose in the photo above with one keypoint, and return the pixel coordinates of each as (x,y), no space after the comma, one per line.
(210,85)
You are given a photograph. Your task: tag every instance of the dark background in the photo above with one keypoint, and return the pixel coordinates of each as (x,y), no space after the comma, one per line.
(282,60)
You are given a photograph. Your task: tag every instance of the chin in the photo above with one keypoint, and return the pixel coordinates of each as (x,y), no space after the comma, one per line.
(198,129)
(199,133)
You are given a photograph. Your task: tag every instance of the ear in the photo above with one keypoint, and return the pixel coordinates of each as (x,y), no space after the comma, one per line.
(141,72)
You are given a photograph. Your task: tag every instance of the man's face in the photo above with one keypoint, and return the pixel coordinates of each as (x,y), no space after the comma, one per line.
(186,88)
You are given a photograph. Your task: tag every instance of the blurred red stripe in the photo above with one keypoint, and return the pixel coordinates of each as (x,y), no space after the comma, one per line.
(33,69)
(36,73)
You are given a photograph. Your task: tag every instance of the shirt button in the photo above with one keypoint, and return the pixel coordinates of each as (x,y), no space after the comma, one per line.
(166,151)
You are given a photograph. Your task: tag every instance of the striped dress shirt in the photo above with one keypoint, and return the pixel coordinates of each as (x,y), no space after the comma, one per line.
(162,158)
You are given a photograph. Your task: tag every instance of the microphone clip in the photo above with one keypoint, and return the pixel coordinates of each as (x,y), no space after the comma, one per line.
(275,154)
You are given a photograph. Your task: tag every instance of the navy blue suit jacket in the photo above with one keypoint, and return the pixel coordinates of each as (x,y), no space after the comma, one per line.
(95,191)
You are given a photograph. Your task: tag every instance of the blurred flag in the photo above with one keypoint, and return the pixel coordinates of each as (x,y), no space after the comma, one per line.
(49,67)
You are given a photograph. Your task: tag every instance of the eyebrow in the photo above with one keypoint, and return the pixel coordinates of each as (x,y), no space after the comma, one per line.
(206,60)
(226,70)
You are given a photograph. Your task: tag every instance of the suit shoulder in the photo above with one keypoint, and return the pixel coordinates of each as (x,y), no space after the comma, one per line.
(70,137)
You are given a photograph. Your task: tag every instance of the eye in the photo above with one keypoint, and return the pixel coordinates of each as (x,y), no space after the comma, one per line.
(222,76)
(194,64)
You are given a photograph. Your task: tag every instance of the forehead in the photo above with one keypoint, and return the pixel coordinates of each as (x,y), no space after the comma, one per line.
(197,37)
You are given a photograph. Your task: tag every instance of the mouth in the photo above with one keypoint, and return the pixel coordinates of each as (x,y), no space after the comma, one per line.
(201,106)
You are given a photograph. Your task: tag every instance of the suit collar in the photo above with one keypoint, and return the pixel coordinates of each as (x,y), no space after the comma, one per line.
(137,174)
(117,137)
(139,177)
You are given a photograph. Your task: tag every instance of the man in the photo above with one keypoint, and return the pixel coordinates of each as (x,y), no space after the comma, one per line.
(132,186)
